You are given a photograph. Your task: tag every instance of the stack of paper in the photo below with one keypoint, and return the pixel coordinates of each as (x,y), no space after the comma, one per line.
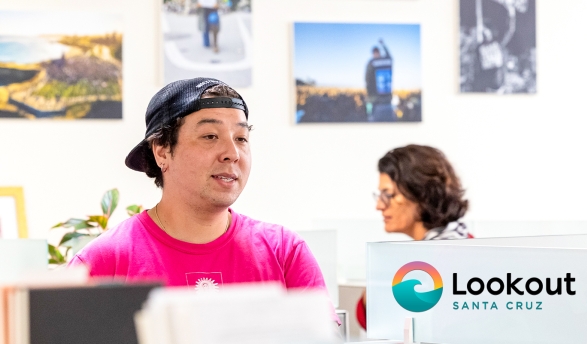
(253,313)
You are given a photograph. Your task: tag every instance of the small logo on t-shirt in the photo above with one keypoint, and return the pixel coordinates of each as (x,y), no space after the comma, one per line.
(206,285)
(204,281)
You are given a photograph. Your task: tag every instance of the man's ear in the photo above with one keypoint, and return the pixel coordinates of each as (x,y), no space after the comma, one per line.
(161,153)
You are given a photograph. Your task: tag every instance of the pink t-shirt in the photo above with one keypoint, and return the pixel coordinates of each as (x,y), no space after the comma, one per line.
(249,251)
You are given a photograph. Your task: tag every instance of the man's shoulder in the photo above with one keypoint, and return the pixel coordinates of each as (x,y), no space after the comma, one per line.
(103,254)
(117,237)
(267,229)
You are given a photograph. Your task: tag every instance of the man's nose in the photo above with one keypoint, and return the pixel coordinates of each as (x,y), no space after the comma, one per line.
(230,152)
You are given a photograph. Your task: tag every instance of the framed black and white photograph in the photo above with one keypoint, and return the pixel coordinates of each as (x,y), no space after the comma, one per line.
(498,46)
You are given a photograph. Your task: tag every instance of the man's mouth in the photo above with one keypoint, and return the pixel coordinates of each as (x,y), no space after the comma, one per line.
(225,177)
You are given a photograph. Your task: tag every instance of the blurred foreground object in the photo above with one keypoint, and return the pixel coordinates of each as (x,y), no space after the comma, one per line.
(251,313)
(60,307)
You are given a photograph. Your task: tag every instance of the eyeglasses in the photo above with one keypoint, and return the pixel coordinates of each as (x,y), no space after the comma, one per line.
(384,197)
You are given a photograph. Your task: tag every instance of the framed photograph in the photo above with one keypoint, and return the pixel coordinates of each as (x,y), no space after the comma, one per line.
(210,38)
(12,214)
(498,46)
(65,65)
(357,72)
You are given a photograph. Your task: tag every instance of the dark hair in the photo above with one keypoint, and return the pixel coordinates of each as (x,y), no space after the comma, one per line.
(424,176)
(167,135)
(375,50)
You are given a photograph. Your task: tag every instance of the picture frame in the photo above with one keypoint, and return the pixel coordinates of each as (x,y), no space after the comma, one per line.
(13,223)
(198,40)
(498,46)
(348,72)
(61,65)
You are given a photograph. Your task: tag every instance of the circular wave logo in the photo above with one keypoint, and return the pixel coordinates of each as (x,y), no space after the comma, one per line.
(407,296)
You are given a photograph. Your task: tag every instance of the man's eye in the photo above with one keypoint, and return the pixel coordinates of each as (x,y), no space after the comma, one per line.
(242,139)
(210,137)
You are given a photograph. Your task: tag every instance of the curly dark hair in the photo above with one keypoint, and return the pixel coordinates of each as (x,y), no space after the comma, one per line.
(424,176)
(167,135)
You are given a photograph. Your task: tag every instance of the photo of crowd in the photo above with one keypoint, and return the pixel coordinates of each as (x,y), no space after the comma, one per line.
(498,46)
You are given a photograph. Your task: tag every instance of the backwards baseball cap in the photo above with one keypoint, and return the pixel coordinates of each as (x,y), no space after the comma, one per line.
(177,100)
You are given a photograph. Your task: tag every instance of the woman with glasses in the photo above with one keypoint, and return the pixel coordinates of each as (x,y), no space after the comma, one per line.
(420,196)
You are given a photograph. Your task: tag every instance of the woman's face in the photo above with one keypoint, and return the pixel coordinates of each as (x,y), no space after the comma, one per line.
(399,213)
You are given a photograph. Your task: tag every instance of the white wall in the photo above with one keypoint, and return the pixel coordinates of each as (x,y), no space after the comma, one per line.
(519,156)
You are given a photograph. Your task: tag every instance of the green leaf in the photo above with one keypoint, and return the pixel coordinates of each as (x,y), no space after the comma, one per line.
(69,236)
(109,202)
(69,223)
(56,256)
(83,225)
(134,209)
(53,251)
(101,220)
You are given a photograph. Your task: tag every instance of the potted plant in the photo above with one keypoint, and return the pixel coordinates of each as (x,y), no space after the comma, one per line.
(82,231)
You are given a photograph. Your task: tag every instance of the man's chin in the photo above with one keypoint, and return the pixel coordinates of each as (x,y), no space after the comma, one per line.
(222,202)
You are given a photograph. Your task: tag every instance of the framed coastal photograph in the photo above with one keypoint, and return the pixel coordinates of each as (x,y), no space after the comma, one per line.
(64,65)
(498,46)
(12,214)
(347,72)
(209,38)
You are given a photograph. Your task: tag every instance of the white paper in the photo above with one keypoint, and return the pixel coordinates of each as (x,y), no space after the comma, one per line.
(249,313)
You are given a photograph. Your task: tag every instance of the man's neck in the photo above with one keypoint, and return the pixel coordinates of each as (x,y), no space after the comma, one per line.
(190,223)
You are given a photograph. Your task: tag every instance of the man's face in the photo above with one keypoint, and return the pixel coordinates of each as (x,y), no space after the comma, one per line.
(211,162)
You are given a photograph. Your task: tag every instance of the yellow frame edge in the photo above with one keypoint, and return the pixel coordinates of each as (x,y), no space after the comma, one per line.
(18,194)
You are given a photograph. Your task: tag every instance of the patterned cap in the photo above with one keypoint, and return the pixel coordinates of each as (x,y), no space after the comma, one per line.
(177,100)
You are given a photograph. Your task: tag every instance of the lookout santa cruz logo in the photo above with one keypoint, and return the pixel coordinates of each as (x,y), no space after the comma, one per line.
(405,293)
(506,291)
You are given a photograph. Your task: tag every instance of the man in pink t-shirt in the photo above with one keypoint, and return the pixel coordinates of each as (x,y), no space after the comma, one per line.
(249,251)
(197,148)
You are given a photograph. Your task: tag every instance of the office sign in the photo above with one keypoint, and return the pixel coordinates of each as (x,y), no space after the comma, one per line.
(476,294)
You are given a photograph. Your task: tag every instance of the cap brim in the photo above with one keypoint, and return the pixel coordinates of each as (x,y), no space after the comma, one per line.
(135,160)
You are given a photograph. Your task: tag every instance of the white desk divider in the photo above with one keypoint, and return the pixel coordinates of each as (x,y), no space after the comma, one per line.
(483,291)
(20,257)
(322,243)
